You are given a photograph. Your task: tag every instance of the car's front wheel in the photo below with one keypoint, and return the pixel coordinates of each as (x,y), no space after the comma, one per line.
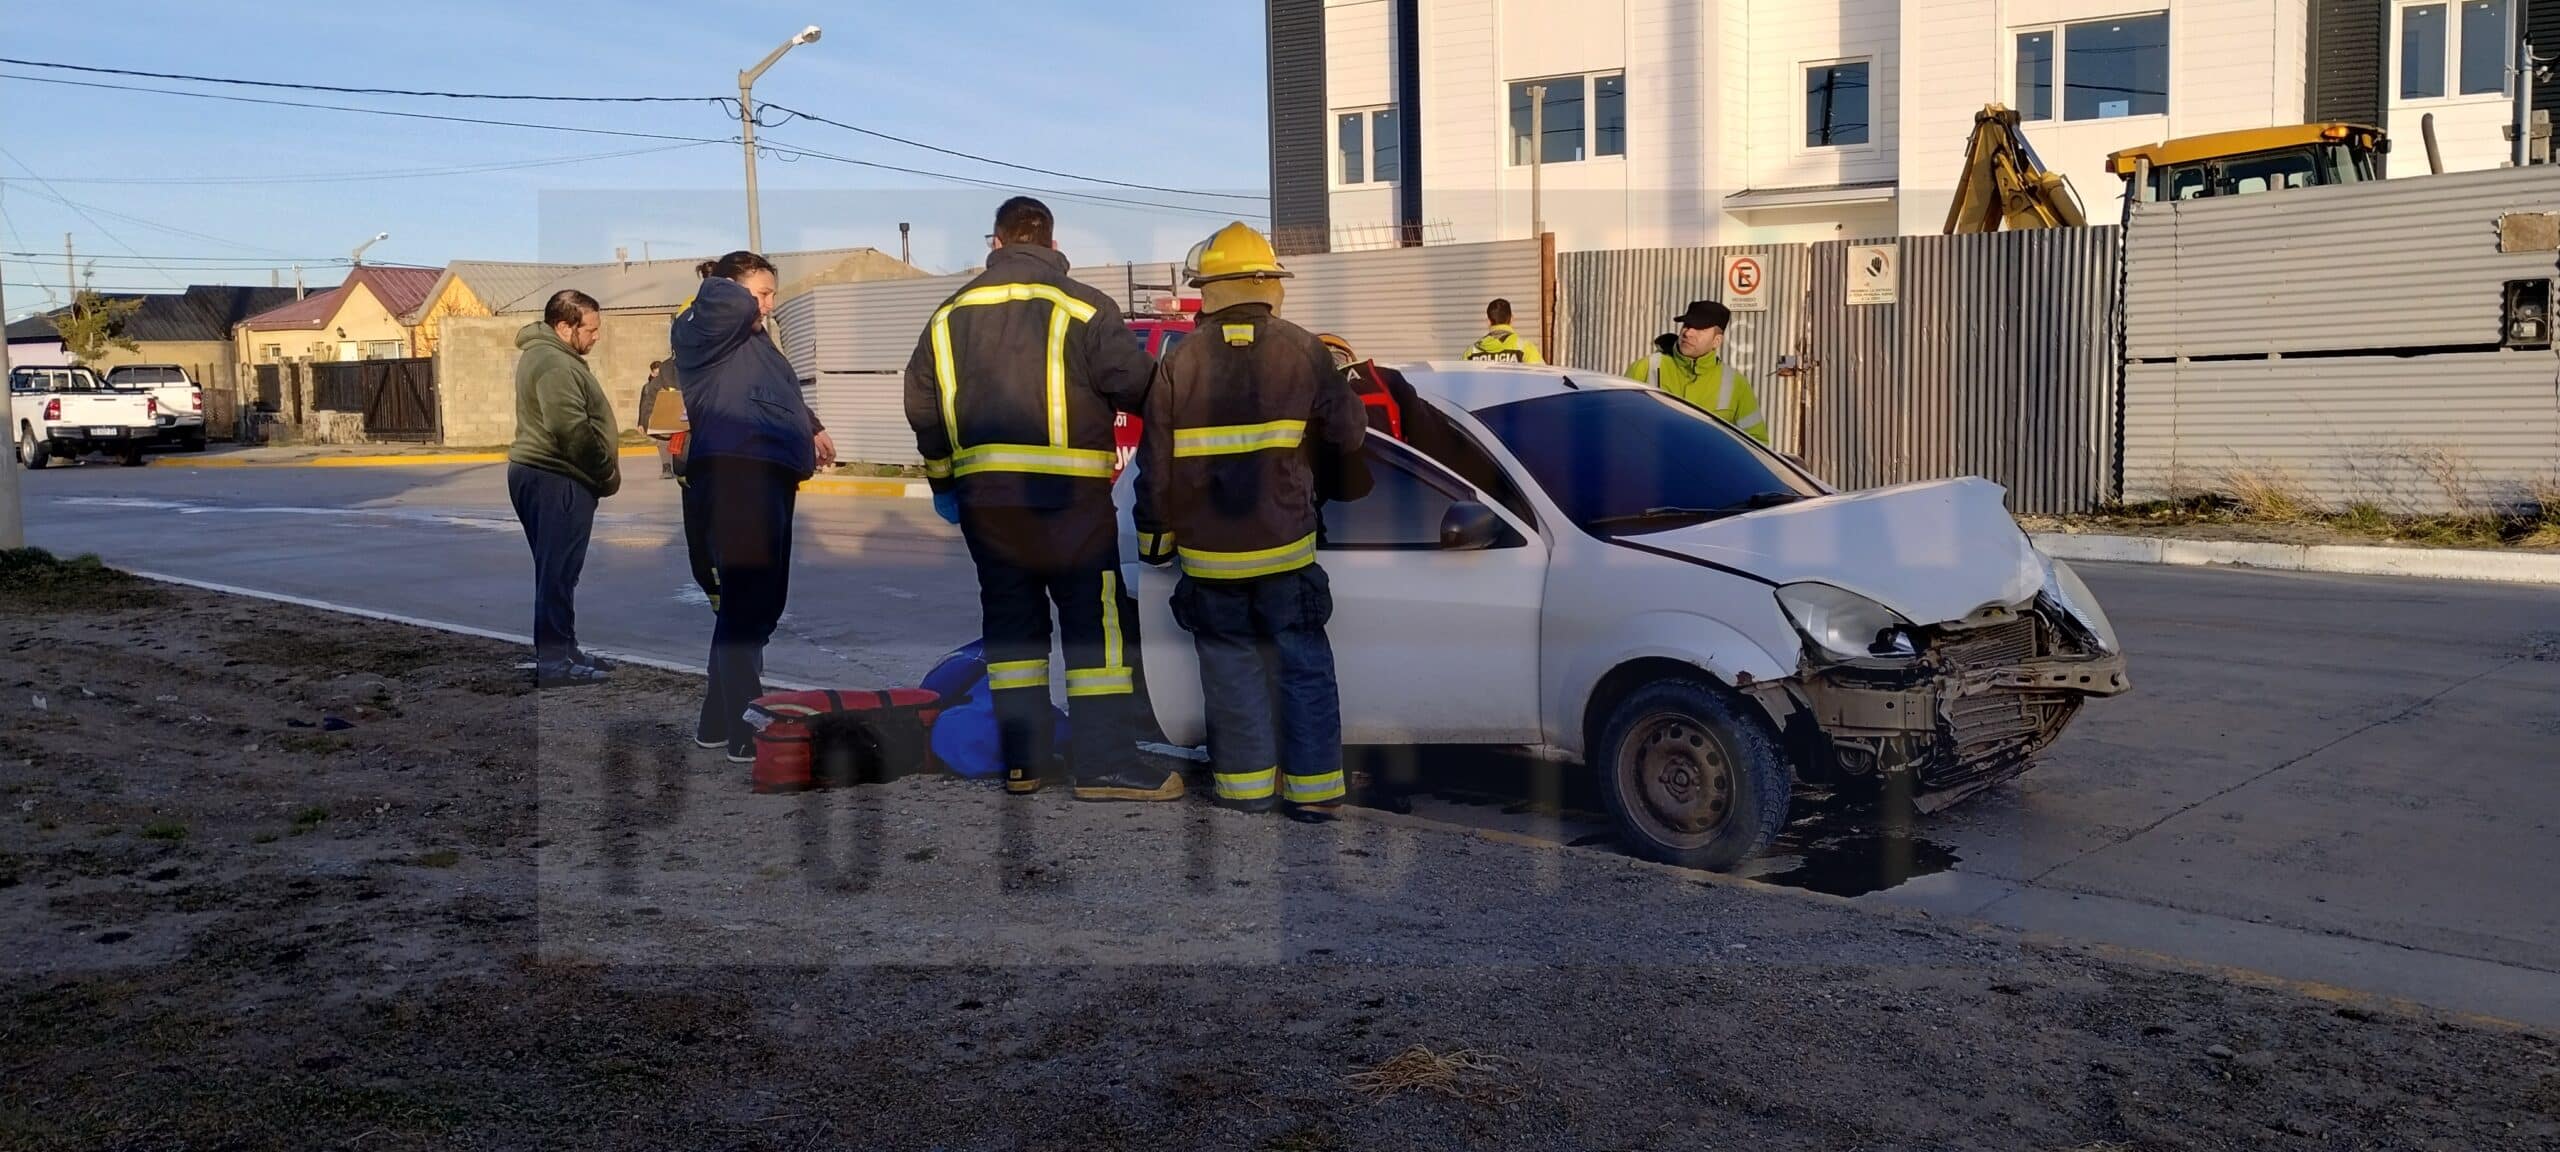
(1692,776)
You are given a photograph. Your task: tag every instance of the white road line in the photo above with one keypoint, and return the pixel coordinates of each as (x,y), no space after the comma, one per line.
(633,658)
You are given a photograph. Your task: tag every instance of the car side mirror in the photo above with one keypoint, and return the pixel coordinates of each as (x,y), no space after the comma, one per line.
(1469,527)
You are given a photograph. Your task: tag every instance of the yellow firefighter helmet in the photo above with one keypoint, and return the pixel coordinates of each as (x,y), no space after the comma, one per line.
(1235,252)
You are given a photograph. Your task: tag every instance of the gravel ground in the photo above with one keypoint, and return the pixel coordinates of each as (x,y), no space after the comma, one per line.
(271,878)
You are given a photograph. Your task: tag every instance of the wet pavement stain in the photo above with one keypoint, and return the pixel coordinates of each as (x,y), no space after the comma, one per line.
(1856,865)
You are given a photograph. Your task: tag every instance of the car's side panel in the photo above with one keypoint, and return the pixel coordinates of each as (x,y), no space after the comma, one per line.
(1607,606)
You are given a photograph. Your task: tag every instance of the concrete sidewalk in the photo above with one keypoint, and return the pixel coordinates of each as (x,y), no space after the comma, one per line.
(2335,559)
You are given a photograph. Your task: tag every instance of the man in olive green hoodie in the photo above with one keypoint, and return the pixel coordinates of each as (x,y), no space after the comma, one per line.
(565,459)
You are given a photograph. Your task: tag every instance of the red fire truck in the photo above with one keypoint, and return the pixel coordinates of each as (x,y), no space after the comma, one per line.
(1159,323)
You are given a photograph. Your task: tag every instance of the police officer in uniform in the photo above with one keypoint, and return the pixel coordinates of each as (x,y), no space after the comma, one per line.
(1248,426)
(1501,341)
(1011,392)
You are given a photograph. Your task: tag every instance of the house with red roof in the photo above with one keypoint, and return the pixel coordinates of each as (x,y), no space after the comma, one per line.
(361,319)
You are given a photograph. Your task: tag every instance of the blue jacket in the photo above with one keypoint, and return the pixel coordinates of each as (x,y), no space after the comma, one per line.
(741,398)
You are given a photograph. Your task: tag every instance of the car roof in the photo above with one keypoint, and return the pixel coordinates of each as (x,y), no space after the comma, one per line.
(1476,385)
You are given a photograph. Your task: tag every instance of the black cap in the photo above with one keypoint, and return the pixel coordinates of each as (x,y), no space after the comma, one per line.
(1705,314)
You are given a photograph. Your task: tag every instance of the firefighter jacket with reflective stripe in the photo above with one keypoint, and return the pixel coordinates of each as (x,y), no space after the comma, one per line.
(1504,344)
(1708,383)
(1248,424)
(1014,383)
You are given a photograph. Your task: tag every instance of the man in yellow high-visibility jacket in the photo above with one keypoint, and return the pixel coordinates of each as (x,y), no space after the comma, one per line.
(1501,341)
(1691,366)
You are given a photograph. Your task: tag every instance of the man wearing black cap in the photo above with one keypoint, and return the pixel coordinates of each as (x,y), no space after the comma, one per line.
(1690,365)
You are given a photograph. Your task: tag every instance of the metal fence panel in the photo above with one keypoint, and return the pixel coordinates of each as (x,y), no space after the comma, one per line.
(1611,305)
(2442,433)
(873,326)
(1864,427)
(2408,263)
(1410,304)
(866,414)
(2017,330)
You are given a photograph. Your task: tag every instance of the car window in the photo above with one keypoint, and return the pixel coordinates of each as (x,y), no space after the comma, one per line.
(1620,453)
(1456,449)
(145,376)
(1403,509)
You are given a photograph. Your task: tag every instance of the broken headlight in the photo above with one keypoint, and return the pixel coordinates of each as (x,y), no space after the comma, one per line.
(2064,588)
(1845,625)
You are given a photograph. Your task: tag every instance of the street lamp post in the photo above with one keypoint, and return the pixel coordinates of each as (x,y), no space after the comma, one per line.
(357,257)
(747,126)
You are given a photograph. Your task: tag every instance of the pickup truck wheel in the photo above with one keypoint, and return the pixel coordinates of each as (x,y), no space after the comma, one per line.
(31,449)
(132,457)
(194,442)
(1693,778)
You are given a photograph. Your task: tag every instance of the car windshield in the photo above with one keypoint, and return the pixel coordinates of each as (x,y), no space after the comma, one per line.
(1625,461)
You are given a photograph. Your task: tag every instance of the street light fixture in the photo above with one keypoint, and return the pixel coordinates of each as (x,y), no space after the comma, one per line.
(747,125)
(357,257)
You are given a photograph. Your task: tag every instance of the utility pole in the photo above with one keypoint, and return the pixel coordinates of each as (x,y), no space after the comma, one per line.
(747,126)
(70,275)
(906,253)
(2524,94)
(1537,160)
(13,532)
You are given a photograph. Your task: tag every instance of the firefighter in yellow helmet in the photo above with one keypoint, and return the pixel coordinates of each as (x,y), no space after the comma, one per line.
(1012,393)
(1248,426)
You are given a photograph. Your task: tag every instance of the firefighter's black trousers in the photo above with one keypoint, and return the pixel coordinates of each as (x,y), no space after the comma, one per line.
(1028,560)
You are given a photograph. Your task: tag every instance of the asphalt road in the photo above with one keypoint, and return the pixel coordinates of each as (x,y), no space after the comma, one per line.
(2340,781)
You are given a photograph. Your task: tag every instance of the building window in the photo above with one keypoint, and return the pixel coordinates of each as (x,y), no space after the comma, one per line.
(385,349)
(2472,52)
(270,353)
(1835,105)
(1366,146)
(2035,75)
(2113,68)
(1609,115)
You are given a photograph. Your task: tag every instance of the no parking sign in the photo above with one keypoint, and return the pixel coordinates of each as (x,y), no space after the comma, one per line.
(1746,284)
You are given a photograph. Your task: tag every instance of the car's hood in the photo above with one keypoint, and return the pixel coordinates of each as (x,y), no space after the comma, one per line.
(1935,552)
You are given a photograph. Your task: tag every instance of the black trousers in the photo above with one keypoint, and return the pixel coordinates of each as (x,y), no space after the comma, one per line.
(750,504)
(559,516)
(697,538)
(1030,560)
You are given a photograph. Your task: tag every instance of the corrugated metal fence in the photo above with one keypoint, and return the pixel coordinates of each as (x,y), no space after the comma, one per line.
(1611,305)
(2341,343)
(1996,357)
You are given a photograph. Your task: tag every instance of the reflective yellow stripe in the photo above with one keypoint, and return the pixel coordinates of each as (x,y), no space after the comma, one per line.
(1152,544)
(1234,439)
(1093,463)
(1058,377)
(1099,682)
(1012,674)
(1063,311)
(1247,565)
(1247,785)
(938,469)
(1112,648)
(1749,422)
(1236,334)
(1313,789)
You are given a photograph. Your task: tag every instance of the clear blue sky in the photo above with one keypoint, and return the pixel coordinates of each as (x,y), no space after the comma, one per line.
(1165,94)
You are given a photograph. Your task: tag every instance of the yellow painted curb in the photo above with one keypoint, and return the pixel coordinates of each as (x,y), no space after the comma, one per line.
(877,488)
(406,460)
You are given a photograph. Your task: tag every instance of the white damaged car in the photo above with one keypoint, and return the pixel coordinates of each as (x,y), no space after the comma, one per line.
(1594,568)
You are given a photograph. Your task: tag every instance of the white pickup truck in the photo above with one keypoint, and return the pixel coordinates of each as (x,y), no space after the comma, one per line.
(181,416)
(67,413)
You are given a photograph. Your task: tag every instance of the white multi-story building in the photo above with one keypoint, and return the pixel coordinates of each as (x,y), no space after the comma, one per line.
(1674,122)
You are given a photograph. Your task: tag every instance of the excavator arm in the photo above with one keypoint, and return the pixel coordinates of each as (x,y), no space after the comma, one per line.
(2004,183)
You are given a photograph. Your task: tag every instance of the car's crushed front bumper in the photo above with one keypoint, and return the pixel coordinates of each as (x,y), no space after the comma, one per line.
(1968,712)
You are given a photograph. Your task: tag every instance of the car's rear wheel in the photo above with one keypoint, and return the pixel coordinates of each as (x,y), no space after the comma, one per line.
(132,456)
(32,451)
(1693,778)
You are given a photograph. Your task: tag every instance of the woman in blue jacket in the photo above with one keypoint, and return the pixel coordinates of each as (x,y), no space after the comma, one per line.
(753,440)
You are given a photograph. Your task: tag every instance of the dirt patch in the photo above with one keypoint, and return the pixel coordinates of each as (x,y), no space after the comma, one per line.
(482,917)
(32,579)
(2272,521)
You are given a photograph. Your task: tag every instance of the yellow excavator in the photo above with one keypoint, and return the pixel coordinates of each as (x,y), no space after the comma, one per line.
(2005,184)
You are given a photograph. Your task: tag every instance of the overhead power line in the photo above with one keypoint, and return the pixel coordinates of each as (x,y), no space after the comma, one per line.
(785,151)
(796,114)
(86,211)
(84,214)
(388,173)
(788,151)
(363,91)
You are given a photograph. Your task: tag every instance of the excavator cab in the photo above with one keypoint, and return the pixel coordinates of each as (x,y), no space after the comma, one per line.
(2248,162)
